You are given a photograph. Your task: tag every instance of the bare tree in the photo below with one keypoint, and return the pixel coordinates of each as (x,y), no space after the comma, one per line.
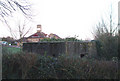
(7,7)
(22,29)
(108,28)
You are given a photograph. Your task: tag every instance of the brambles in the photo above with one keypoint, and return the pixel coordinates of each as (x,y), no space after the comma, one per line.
(34,66)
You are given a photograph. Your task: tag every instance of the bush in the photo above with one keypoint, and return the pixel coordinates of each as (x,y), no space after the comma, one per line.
(17,65)
(34,66)
(107,47)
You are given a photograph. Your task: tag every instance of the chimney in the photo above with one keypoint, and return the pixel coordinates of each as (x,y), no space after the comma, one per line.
(39,29)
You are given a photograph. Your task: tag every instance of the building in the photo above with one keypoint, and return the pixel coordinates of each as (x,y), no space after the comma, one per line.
(36,37)
(8,39)
(53,36)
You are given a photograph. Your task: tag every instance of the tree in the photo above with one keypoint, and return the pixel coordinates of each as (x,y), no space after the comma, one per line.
(22,32)
(7,7)
(22,29)
(107,41)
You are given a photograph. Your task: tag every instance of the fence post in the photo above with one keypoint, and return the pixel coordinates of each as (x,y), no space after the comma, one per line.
(0,61)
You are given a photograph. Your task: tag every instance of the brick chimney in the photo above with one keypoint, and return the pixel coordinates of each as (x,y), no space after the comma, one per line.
(39,28)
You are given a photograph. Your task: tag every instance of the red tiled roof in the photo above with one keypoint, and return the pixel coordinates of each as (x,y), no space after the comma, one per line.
(54,35)
(38,35)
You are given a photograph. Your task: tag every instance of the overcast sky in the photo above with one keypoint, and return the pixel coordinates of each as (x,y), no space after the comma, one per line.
(68,18)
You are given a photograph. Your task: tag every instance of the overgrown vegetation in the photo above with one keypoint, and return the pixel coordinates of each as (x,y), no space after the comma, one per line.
(107,47)
(66,39)
(106,36)
(34,66)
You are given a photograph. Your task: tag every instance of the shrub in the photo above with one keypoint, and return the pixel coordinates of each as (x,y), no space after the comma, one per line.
(17,65)
(107,47)
(34,66)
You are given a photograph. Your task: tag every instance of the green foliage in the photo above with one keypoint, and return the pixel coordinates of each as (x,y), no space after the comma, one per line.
(106,32)
(52,39)
(71,39)
(34,66)
(107,40)
(66,39)
(107,47)
(16,66)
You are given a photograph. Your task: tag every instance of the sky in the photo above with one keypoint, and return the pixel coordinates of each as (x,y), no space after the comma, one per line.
(68,18)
